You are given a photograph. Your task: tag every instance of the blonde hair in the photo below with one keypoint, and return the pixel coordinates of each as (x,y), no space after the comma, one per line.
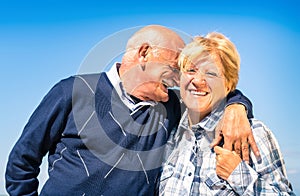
(221,49)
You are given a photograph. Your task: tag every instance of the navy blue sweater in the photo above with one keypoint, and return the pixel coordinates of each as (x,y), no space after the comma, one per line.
(95,145)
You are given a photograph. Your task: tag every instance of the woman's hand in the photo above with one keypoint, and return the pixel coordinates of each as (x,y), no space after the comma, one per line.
(226,162)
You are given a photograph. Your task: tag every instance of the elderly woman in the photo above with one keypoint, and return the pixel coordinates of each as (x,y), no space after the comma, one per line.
(209,72)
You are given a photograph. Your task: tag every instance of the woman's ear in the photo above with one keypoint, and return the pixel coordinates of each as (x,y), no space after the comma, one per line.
(228,89)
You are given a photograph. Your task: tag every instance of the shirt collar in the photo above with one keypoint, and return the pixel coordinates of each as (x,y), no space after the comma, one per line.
(209,123)
(114,78)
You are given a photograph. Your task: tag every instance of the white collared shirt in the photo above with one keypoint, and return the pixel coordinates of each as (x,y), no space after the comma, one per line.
(115,80)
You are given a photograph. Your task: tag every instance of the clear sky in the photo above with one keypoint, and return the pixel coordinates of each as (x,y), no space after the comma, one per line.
(42,42)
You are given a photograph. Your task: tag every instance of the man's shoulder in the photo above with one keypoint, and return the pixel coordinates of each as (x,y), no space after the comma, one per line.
(82,76)
(79,82)
(78,78)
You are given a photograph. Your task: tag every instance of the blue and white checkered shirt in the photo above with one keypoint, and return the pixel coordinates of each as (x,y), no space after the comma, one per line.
(190,168)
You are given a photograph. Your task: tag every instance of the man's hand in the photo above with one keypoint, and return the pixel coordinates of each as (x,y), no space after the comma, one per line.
(226,162)
(237,133)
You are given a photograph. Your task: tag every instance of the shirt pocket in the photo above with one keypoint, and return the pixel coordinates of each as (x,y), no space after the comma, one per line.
(168,171)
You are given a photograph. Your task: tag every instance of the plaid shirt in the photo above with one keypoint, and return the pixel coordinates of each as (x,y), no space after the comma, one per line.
(190,168)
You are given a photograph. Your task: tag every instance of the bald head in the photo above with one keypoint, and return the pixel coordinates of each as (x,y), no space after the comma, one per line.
(156,35)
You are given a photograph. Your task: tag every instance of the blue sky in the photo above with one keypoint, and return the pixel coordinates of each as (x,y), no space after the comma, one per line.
(42,42)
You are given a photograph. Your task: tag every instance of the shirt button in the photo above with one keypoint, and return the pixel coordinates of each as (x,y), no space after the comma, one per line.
(190,174)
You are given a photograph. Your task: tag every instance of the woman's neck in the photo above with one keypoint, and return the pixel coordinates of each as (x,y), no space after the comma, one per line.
(195,117)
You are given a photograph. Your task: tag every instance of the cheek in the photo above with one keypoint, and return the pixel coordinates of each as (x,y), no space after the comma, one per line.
(184,80)
(219,89)
(183,83)
(148,86)
(182,93)
(183,86)
(154,71)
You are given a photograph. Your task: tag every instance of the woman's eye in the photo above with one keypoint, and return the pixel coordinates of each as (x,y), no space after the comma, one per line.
(211,74)
(191,70)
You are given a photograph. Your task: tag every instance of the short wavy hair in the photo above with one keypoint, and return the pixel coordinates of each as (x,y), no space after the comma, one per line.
(220,48)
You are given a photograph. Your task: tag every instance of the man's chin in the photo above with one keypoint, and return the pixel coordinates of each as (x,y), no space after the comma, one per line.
(160,98)
(165,99)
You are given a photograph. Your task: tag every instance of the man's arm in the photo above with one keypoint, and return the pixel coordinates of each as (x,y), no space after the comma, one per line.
(235,128)
(37,137)
(237,97)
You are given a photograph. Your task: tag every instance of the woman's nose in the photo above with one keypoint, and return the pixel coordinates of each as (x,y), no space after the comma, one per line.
(199,79)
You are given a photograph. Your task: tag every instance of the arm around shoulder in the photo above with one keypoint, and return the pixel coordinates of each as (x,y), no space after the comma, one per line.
(237,97)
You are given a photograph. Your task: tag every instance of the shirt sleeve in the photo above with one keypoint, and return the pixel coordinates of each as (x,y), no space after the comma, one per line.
(38,136)
(266,176)
(237,96)
(242,179)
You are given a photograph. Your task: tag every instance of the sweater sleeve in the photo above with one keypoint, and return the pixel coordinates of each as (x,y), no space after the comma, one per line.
(40,133)
(237,96)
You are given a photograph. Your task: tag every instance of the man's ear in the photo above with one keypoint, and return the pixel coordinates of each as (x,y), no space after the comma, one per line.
(144,51)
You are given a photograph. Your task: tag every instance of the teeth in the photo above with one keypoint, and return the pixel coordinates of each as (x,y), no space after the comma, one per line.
(201,93)
(166,84)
